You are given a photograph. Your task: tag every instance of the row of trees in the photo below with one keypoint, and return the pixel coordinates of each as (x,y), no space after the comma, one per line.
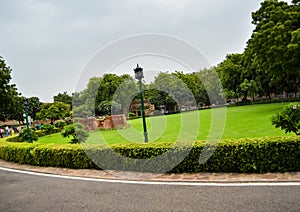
(113,94)
(103,94)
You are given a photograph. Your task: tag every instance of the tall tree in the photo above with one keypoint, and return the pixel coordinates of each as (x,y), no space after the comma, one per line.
(231,72)
(34,105)
(275,44)
(8,92)
(194,83)
(168,90)
(114,90)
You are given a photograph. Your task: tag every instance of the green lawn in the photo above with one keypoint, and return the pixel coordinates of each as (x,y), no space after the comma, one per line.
(241,122)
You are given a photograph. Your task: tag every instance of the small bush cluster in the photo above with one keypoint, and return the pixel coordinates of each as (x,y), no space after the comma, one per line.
(77,131)
(47,129)
(245,155)
(60,124)
(288,119)
(23,135)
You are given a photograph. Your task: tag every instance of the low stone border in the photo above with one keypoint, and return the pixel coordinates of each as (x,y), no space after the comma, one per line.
(186,177)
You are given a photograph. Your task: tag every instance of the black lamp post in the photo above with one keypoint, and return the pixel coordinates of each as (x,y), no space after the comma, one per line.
(27,122)
(139,75)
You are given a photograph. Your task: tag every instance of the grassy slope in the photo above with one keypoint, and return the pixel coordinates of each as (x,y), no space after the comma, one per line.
(241,122)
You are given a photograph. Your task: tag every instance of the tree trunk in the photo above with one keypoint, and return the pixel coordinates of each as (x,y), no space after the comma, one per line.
(245,97)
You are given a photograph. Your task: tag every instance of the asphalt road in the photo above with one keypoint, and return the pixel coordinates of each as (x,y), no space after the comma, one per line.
(22,192)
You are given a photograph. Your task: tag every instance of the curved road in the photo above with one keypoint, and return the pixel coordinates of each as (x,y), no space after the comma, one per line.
(26,192)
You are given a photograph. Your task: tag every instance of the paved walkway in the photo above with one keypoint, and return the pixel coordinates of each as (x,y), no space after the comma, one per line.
(198,177)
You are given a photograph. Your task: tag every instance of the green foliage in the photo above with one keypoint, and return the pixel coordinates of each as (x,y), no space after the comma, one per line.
(8,93)
(274,49)
(244,156)
(231,72)
(47,128)
(63,97)
(77,131)
(109,108)
(34,105)
(60,124)
(194,83)
(18,109)
(23,135)
(81,111)
(249,88)
(108,89)
(288,119)
(15,138)
(54,111)
(270,63)
(171,89)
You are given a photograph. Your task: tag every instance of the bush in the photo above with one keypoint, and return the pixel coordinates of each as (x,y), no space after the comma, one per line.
(40,133)
(47,128)
(15,138)
(288,119)
(23,135)
(77,132)
(60,124)
(245,155)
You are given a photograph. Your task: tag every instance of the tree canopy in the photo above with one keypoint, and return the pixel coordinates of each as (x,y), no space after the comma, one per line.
(54,111)
(271,58)
(63,97)
(8,92)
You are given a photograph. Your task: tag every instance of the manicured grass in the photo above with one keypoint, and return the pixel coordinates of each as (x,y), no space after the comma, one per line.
(252,121)
(241,122)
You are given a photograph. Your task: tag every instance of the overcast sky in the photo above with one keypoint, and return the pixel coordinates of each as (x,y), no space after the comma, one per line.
(47,43)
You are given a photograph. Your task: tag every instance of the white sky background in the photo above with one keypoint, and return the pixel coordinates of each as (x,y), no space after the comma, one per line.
(47,43)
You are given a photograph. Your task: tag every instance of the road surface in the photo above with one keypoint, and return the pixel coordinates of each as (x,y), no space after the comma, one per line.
(25,192)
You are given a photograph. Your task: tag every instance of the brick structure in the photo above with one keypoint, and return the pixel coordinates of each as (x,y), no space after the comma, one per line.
(89,123)
(114,121)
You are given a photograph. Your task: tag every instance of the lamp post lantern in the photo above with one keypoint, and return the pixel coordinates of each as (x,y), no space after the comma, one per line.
(27,122)
(138,71)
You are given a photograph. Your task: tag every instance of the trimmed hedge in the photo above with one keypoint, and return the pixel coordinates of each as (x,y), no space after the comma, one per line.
(15,138)
(267,101)
(39,133)
(258,155)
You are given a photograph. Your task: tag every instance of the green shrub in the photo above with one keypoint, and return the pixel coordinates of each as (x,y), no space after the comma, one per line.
(15,138)
(77,131)
(60,124)
(288,119)
(258,155)
(245,155)
(267,101)
(47,129)
(23,135)
(40,133)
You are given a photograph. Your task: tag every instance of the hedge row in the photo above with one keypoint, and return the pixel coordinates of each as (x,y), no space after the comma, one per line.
(267,101)
(280,154)
(39,133)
